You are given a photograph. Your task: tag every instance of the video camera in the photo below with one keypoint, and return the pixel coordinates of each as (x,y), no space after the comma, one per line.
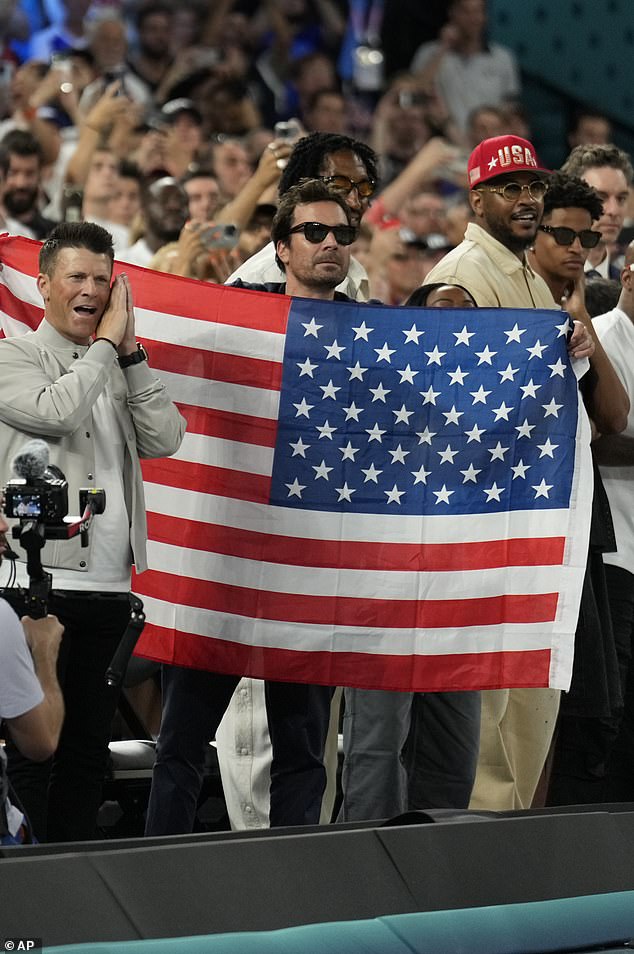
(38,497)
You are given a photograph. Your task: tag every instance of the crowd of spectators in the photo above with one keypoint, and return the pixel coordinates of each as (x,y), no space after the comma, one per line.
(174,126)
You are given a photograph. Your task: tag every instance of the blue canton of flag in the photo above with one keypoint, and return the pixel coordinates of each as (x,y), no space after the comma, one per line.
(424,411)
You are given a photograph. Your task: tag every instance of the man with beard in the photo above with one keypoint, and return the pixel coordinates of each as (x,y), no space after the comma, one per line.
(311,234)
(507,197)
(152,59)
(165,211)
(21,165)
(31,702)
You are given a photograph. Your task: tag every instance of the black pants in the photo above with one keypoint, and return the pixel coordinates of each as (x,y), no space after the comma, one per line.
(194,702)
(62,795)
(594,757)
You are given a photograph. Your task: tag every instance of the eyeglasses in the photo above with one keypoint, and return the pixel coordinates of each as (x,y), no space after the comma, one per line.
(316,232)
(565,236)
(511,191)
(344,185)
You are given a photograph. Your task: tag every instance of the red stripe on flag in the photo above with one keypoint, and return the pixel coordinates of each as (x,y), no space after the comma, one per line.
(204,479)
(214,365)
(350,610)
(21,310)
(205,301)
(184,297)
(526,669)
(227,424)
(357,555)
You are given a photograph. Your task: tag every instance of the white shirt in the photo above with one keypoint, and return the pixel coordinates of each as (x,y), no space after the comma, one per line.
(138,254)
(616,333)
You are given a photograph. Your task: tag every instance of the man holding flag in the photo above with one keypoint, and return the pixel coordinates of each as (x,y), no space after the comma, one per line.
(508,186)
(312,234)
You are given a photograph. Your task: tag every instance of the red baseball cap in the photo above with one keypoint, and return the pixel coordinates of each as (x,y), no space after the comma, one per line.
(501,154)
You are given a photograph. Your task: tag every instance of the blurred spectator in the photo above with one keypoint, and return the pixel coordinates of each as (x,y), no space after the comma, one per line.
(183,123)
(108,44)
(467,70)
(308,76)
(203,194)
(164,211)
(423,213)
(484,122)
(21,164)
(186,30)
(589,127)
(401,126)
(609,171)
(397,265)
(227,107)
(125,203)
(325,111)
(458,215)
(257,232)
(602,295)
(68,35)
(152,58)
(232,167)
(99,190)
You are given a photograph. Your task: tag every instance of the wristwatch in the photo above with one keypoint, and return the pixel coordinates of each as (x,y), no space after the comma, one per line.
(127,360)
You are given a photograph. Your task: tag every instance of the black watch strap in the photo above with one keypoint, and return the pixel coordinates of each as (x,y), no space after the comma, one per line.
(127,360)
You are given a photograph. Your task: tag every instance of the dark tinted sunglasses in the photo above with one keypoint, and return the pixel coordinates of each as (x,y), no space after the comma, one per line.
(316,232)
(343,184)
(565,236)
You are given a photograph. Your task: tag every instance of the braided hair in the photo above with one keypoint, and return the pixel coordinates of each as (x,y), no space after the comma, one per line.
(307,157)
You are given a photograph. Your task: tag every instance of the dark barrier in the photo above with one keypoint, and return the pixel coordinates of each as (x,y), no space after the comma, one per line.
(177,887)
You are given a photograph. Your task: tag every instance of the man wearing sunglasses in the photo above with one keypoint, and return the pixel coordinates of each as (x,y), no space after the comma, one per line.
(312,235)
(349,168)
(508,187)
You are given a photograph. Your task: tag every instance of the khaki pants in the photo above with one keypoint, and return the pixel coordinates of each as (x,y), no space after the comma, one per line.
(516,731)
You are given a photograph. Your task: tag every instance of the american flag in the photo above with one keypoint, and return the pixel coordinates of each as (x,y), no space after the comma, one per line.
(390,498)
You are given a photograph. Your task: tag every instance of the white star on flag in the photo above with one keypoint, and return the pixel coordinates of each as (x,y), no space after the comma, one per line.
(322,470)
(345,493)
(334,350)
(442,495)
(475,434)
(542,489)
(394,495)
(530,389)
(362,332)
(493,492)
(311,328)
(447,456)
(295,489)
(299,448)
(425,436)
(514,334)
(453,416)
(537,350)
(420,476)
(480,396)
(357,372)
(470,474)
(348,451)
(429,396)
(457,376)
(435,355)
(407,375)
(497,452)
(375,433)
(519,470)
(485,356)
(558,368)
(305,367)
(330,391)
(462,337)
(398,456)
(371,474)
(303,409)
(325,430)
(379,393)
(524,430)
(413,335)
(508,374)
(502,412)
(402,416)
(552,408)
(384,353)
(548,448)
(352,412)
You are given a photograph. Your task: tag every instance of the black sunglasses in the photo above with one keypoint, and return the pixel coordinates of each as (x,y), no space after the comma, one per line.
(316,232)
(565,236)
(344,185)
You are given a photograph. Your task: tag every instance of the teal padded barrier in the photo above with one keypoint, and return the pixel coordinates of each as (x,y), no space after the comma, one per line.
(539,927)
(584,48)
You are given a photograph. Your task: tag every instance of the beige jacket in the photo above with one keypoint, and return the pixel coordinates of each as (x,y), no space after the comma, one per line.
(48,386)
(491,273)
